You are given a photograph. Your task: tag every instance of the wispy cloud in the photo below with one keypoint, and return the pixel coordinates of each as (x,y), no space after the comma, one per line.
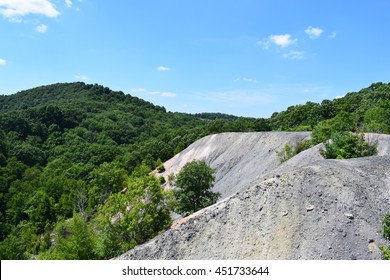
(14,9)
(41,28)
(168,94)
(294,55)
(163,68)
(264,44)
(68,3)
(333,35)
(81,77)
(249,80)
(139,90)
(3,61)
(314,32)
(283,41)
(159,93)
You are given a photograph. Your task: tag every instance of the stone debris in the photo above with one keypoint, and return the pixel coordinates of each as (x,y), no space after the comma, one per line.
(264,216)
(310,208)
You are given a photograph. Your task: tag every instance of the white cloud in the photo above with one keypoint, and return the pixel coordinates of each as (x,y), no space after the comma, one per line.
(163,68)
(314,32)
(333,35)
(3,61)
(283,41)
(68,3)
(294,55)
(14,9)
(159,93)
(41,28)
(139,90)
(249,80)
(168,94)
(81,77)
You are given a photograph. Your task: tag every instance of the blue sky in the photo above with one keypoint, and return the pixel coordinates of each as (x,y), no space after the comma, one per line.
(246,57)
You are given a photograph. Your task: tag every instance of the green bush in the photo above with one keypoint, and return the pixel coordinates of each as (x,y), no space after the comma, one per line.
(345,145)
(290,151)
(160,166)
(286,153)
(74,240)
(162,180)
(132,218)
(386,235)
(386,226)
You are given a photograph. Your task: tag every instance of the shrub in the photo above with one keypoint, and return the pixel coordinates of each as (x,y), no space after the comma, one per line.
(126,220)
(160,166)
(348,145)
(286,153)
(290,151)
(75,240)
(386,235)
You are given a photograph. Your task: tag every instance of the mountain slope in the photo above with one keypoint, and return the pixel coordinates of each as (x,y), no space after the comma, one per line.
(320,209)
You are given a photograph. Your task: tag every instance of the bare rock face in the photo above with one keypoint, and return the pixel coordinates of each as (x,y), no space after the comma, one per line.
(306,208)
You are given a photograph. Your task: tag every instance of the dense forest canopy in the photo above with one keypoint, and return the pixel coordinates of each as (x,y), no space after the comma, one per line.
(67,150)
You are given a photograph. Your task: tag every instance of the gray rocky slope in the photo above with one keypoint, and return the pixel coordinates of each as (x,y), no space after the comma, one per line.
(238,158)
(306,208)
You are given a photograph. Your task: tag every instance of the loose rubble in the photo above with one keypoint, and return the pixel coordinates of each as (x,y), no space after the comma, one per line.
(306,208)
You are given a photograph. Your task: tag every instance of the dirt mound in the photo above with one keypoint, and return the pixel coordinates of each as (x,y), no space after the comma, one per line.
(306,208)
(239,158)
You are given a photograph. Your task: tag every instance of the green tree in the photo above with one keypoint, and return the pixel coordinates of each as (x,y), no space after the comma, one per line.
(322,132)
(12,248)
(262,124)
(106,179)
(377,119)
(216,126)
(29,154)
(74,240)
(133,217)
(41,210)
(193,187)
(160,166)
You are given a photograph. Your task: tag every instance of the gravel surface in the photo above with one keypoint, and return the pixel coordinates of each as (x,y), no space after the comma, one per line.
(238,158)
(306,208)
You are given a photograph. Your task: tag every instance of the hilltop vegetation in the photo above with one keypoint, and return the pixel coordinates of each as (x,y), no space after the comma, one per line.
(367,110)
(68,150)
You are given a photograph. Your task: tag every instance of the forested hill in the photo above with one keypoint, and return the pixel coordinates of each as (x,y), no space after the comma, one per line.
(67,148)
(65,94)
(366,110)
(95,114)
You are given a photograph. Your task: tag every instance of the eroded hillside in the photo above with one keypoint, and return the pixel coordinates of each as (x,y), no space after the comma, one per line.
(306,208)
(238,158)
